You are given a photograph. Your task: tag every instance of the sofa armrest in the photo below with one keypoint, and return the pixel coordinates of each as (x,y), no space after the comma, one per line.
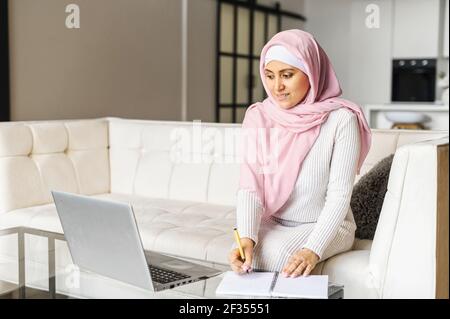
(407,251)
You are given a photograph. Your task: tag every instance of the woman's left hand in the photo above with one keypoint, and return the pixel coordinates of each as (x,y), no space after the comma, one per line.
(301,263)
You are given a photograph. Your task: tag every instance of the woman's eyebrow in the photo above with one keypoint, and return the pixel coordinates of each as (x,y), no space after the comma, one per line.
(289,69)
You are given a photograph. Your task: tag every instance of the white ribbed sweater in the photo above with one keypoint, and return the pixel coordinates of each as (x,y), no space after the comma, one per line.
(323,189)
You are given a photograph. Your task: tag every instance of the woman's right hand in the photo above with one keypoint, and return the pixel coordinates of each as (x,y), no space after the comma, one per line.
(236,262)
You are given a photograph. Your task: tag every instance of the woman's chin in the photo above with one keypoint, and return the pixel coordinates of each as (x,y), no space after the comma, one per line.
(285,105)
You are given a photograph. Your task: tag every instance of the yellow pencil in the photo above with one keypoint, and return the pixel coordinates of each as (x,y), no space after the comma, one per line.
(238,240)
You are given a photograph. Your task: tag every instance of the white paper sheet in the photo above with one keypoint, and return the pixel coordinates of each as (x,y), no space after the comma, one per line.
(253,284)
(312,286)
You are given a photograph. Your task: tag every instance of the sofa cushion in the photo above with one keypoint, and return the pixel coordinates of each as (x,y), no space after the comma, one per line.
(351,269)
(368,196)
(15,140)
(49,138)
(362,244)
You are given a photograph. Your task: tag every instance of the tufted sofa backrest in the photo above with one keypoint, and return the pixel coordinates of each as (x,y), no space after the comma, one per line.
(141,161)
(36,157)
(175,160)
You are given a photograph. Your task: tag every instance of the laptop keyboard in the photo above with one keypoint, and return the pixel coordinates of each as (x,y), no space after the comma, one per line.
(165,276)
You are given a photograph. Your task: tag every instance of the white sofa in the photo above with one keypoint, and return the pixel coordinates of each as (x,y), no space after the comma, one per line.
(187,208)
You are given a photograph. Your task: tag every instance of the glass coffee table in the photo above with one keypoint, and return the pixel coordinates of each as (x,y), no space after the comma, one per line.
(39,274)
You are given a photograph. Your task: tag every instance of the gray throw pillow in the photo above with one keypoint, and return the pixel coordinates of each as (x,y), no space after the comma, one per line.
(368,196)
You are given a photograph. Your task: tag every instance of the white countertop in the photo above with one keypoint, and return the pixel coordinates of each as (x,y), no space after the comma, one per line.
(435,115)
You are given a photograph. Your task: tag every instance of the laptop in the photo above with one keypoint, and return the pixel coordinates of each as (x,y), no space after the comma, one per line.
(103,238)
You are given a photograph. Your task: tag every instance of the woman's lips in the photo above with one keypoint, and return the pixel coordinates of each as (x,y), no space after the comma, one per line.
(282,97)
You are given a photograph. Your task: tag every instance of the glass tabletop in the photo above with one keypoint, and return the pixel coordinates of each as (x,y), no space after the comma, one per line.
(39,274)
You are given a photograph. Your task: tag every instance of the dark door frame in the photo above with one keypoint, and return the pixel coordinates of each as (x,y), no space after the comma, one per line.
(4,63)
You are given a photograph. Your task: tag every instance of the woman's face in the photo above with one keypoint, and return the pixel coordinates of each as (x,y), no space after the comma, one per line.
(287,84)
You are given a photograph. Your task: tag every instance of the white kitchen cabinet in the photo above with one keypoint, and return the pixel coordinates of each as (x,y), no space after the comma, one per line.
(416,28)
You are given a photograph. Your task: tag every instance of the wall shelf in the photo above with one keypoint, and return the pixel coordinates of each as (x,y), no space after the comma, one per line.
(437,113)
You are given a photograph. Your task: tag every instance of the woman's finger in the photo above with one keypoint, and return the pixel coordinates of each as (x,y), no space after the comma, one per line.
(299,270)
(236,264)
(290,267)
(237,269)
(247,266)
(235,256)
(308,270)
(235,259)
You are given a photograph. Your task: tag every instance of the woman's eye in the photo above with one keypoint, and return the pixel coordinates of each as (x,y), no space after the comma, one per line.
(286,76)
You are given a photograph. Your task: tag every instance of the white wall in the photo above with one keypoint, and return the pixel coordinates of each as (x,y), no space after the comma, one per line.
(330,22)
(369,57)
(445,31)
(416,28)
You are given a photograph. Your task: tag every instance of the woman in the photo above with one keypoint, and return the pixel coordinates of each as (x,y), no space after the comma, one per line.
(296,212)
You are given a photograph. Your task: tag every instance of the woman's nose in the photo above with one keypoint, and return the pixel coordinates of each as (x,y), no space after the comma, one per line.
(279,84)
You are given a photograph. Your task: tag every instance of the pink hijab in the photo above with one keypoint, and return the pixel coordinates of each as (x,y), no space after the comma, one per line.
(298,127)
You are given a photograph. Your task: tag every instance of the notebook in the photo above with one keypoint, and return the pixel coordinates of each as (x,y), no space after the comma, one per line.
(271,284)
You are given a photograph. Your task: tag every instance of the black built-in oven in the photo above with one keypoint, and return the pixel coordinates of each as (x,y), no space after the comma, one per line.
(413,80)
